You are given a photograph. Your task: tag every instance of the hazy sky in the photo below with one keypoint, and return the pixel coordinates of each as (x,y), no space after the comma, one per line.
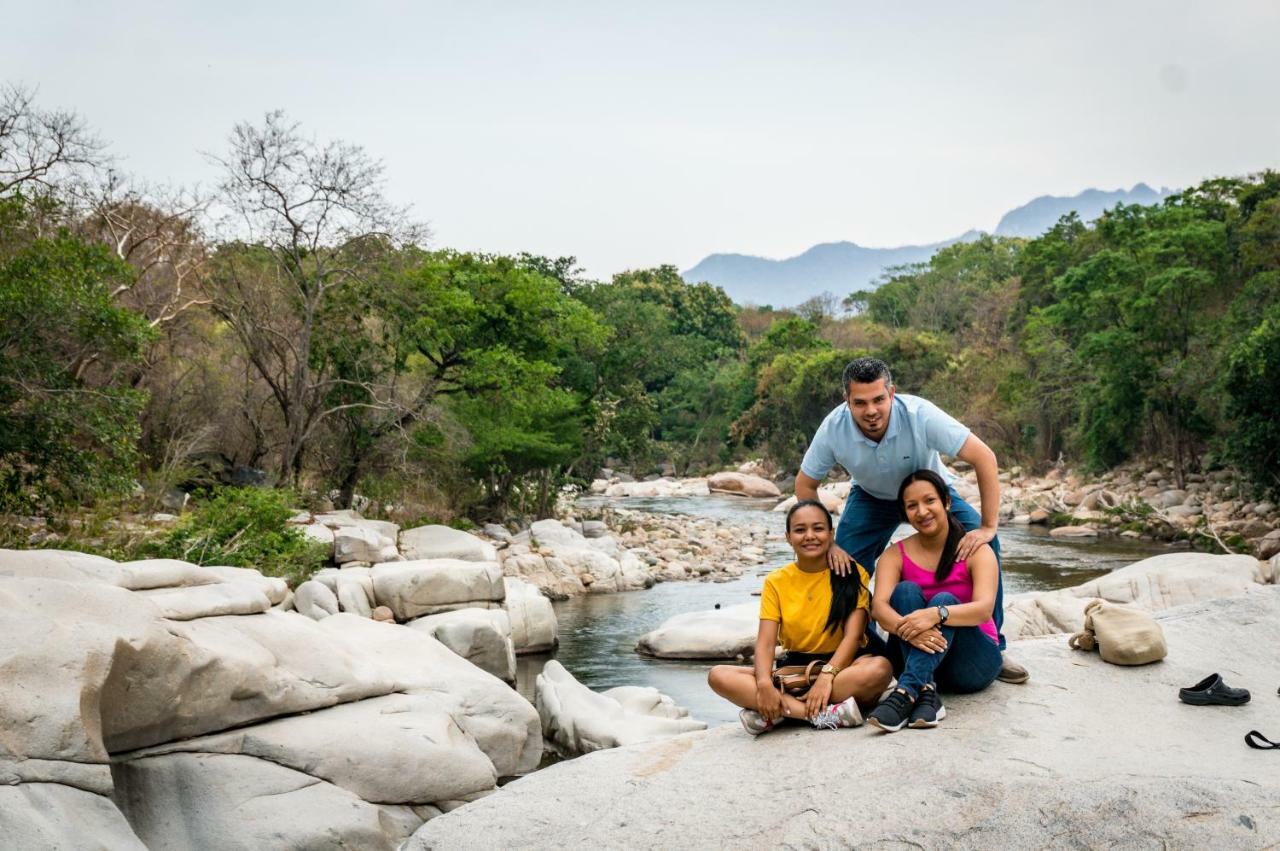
(632,134)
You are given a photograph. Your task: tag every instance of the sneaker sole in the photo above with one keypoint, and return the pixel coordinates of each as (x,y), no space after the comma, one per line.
(877,723)
(1015,680)
(921,724)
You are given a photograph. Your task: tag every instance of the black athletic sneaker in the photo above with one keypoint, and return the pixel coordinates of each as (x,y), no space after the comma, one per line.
(893,712)
(928,710)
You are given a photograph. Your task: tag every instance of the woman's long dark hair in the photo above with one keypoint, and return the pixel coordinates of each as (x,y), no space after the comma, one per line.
(955,529)
(844,589)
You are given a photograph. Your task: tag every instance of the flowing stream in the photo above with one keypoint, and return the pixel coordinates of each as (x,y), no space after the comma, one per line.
(598,632)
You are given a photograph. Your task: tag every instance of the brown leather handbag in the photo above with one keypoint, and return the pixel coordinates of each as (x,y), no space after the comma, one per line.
(796,680)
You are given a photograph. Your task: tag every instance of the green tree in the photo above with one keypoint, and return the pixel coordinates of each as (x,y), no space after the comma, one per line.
(794,393)
(68,416)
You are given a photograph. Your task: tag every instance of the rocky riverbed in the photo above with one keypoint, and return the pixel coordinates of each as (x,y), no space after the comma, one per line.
(160,704)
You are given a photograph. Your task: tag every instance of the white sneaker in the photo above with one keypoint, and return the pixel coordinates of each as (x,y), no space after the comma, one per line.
(836,715)
(754,722)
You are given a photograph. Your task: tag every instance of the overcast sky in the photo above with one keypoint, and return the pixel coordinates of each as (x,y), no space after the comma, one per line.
(632,134)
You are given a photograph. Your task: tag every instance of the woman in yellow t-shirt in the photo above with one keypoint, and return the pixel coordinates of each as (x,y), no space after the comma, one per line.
(813,613)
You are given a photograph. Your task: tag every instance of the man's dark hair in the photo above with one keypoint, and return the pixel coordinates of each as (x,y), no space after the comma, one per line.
(866,371)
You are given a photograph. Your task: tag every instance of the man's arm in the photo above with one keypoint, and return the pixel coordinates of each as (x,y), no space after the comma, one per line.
(977,453)
(806,486)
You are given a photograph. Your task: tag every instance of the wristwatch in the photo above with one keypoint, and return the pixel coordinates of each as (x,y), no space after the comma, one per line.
(943,614)
(829,669)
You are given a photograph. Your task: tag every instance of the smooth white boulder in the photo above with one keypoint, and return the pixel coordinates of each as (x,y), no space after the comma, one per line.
(741,484)
(398,748)
(274,587)
(532,617)
(442,542)
(727,633)
(245,803)
(1073,532)
(162,573)
(203,601)
(659,488)
(503,723)
(59,564)
(599,572)
(481,636)
(1065,760)
(425,587)
(319,533)
(553,533)
(578,720)
(355,595)
(646,700)
(363,544)
(315,600)
(1155,584)
(50,815)
(832,496)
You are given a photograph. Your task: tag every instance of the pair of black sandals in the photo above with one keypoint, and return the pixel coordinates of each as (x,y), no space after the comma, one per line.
(1213,691)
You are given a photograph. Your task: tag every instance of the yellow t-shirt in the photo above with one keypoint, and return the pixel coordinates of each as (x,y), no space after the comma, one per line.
(800,602)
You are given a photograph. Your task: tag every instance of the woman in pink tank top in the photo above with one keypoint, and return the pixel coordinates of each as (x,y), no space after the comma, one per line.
(937,610)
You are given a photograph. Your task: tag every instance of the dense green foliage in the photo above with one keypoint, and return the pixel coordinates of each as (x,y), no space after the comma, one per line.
(1148,333)
(326,349)
(243,527)
(69,419)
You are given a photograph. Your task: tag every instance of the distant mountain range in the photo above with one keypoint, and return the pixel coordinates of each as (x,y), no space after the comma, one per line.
(843,267)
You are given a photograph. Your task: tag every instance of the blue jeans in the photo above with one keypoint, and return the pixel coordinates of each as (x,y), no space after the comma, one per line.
(867,524)
(970,662)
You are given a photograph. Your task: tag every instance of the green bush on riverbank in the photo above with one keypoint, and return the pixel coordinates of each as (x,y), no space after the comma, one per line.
(243,527)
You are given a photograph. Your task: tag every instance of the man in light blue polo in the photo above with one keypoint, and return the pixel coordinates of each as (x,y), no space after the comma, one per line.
(880,436)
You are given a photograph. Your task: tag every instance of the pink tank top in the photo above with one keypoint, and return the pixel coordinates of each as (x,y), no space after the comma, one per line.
(958,582)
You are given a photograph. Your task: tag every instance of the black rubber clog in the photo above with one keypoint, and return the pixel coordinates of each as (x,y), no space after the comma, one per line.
(1212,691)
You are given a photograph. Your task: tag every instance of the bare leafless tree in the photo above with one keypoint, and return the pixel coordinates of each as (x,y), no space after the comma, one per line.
(156,230)
(309,207)
(41,149)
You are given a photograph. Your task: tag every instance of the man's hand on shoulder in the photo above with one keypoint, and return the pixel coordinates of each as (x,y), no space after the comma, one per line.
(970,543)
(839,561)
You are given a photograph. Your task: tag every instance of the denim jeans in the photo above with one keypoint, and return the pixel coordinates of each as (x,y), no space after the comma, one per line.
(867,524)
(970,662)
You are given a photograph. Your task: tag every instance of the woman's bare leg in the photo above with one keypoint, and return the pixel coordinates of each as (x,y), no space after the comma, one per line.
(864,680)
(737,684)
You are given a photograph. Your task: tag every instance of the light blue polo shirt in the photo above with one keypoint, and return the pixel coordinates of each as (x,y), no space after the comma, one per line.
(918,430)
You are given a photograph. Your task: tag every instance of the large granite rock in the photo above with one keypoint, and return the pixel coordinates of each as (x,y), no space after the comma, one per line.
(363,544)
(50,815)
(533,620)
(409,749)
(230,801)
(597,565)
(728,633)
(663,487)
(412,589)
(481,636)
(832,496)
(741,484)
(577,720)
(106,699)
(436,542)
(504,724)
(1085,755)
(202,601)
(1156,583)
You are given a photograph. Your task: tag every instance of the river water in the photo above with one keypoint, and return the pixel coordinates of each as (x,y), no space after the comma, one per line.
(598,632)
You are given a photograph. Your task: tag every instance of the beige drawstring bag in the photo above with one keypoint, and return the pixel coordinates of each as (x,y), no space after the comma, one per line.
(1124,635)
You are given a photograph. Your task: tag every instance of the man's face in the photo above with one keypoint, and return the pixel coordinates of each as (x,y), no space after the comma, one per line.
(870,404)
